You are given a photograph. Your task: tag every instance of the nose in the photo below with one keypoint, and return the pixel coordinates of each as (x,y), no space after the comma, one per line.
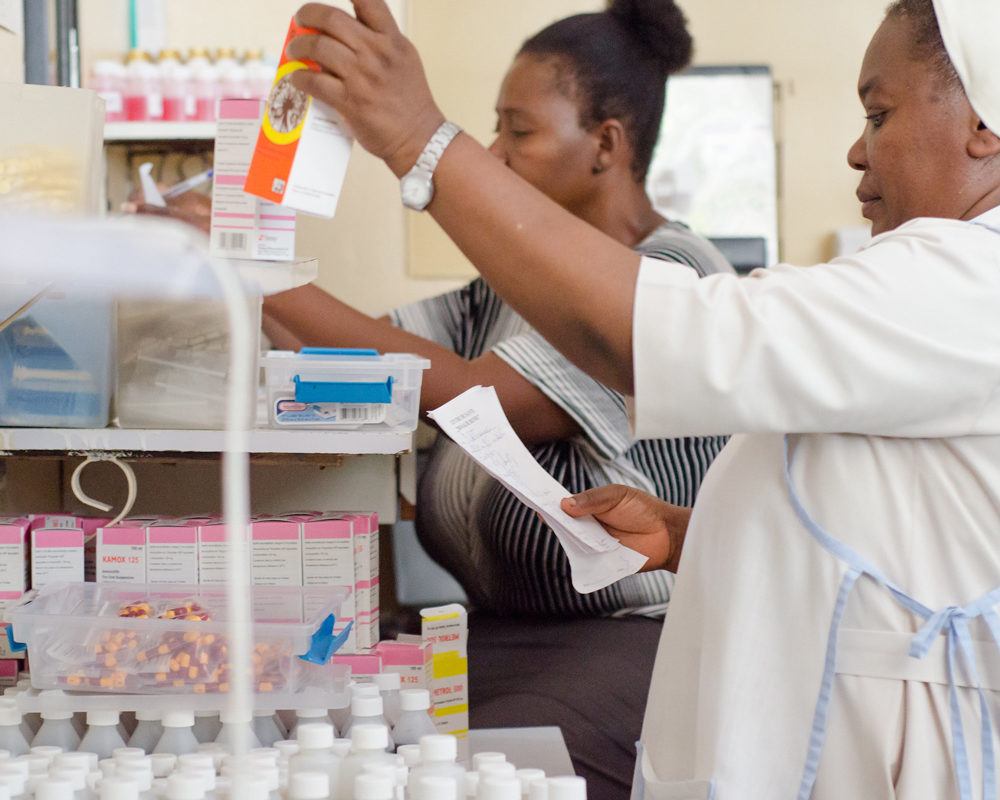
(857,156)
(496,149)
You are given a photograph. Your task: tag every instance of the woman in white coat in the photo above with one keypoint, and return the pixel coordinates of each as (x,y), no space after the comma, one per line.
(833,632)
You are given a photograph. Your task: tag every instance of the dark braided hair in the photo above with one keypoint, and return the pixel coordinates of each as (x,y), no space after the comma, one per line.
(615,65)
(929,44)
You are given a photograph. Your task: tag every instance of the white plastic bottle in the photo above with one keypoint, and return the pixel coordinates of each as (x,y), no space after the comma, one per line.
(118,789)
(378,787)
(367,710)
(471,785)
(567,787)
(315,753)
(494,788)
(388,684)
(207,726)
(185,787)
(57,730)
(438,758)
(528,777)
(310,715)
(11,692)
(266,728)
(368,745)
(148,730)
(340,715)
(497,769)
(231,723)
(178,737)
(487,757)
(174,85)
(260,74)
(430,787)
(54,789)
(102,735)
(539,790)
(410,754)
(107,78)
(207,777)
(141,773)
(414,720)
(77,778)
(14,782)
(309,786)
(11,736)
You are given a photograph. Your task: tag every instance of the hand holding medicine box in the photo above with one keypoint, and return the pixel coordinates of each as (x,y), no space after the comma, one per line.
(303,147)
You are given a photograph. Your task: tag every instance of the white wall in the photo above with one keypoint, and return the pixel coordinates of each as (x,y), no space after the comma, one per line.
(11,44)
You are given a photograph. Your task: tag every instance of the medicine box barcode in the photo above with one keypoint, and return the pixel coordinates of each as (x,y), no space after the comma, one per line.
(344,389)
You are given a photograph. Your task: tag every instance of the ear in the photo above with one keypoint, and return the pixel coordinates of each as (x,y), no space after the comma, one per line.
(983,143)
(612,146)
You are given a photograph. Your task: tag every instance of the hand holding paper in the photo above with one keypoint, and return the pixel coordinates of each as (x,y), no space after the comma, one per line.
(477,423)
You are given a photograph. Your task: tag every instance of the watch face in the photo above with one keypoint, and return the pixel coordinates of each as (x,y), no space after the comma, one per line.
(417,188)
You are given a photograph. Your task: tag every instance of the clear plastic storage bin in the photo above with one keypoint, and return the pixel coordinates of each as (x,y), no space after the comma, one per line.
(344,389)
(169,639)
(173,363)
(56,359)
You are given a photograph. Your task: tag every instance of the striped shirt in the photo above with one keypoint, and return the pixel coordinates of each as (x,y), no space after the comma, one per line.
(505,557)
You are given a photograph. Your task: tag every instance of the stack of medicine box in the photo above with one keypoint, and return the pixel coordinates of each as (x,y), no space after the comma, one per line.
(304,549)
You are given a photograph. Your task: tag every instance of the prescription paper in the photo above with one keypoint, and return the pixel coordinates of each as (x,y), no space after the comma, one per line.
(476,422)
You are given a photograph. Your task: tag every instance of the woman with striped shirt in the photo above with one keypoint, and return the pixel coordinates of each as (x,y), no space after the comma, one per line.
(578,117)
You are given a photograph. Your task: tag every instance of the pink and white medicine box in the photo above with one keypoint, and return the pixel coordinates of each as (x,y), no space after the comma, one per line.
(14,559)
(328,560)
(366,576)
(407,659)
(121,551)
(360,664)
(276,552)
(212,552)
(62,548)
(172,552)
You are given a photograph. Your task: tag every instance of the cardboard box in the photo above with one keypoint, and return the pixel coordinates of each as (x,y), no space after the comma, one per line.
(244,226)
(15,560)
(9,669)
(328,560)
(172,552)
(303,147)
(366,576)
(121,551)
(361,664)
(445,634)
(276,552)
(212,553)
(62,548)
(408,659)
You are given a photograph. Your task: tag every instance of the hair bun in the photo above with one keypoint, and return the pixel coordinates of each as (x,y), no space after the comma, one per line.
(661,27)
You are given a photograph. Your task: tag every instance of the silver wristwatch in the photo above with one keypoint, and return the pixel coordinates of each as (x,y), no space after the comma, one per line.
(417,185)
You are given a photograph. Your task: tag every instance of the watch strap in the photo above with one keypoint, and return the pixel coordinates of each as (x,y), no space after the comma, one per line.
(435,148)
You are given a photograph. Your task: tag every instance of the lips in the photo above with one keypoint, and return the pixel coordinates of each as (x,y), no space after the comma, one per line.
(868,201)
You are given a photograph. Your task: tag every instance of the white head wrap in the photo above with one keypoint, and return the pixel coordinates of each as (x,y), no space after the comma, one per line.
(971,33)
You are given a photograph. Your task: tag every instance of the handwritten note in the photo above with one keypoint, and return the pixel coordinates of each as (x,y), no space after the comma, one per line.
(476,422)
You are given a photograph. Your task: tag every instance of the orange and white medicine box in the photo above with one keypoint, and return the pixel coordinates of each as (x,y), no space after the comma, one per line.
(303,147)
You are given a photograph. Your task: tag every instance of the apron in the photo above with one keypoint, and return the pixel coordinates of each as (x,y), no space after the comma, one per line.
(942,651)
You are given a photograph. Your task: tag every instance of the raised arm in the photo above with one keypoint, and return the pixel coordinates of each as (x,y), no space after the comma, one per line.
(581,284)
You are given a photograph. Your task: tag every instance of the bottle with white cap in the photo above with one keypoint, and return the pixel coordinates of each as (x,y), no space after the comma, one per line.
(11,735)
(343,717)
(181,786)
(118,789)
(14,781)
(216,751)
(315,753)
(207,726)
(207,776)
(438,758)
(497,788)
(77,778)
(528,777)
(487,757)
(271,776)
(539,790)
(11,693)
(471,785)
(310,715)
(126,753)
(368,745)
(148,730)
(102,735)
(233,721)
(567,787)
(410,754)
(431,787)
(286,749)
(497,769)
(309,786)
(377,787)
(163,764)
(54,789)
(139,772)
(266,727)
(388,684)
(414,721)
(367,710)
(49,751)
(340,714)
(57,730)
(178,737)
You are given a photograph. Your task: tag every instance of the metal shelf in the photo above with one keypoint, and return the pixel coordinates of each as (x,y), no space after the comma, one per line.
(158,131)
(262,441)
